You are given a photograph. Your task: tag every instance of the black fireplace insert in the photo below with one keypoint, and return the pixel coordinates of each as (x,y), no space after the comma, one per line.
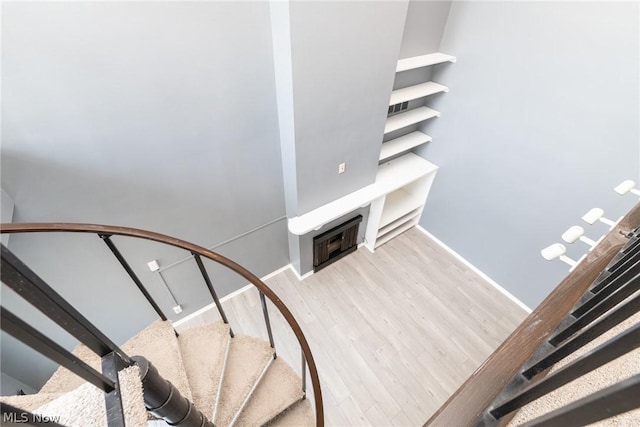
(332,245)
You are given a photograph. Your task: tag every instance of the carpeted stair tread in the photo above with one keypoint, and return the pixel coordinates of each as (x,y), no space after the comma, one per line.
(85,406)
(63,380)
(159,344)
(280,388)
(29,402)
(203,349)
(246,361)
(300,414)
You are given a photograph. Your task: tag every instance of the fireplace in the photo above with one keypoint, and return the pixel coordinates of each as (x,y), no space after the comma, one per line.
(332,245)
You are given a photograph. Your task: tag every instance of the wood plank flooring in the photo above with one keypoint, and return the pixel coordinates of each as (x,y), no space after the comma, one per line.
(393,333)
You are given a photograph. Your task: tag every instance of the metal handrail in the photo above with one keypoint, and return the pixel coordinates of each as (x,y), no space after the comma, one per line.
(101,229)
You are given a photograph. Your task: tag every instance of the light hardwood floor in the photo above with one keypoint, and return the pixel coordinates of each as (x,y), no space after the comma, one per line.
(393,333)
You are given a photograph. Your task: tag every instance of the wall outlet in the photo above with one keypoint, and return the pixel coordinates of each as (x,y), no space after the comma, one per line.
(341,167)
(177,309)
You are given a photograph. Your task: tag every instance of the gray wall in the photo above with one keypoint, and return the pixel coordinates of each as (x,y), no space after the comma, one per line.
(540,124)
(154,115)
(6,213)
(9,386)
(335,64)
(343,57)
(423,27)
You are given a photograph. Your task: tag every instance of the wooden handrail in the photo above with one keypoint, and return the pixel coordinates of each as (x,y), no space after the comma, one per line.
(183,244)
(466,406)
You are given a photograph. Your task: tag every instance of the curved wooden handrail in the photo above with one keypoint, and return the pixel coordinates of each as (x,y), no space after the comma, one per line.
(183,244)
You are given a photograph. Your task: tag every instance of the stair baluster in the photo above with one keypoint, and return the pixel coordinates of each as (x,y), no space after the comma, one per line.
(212,291)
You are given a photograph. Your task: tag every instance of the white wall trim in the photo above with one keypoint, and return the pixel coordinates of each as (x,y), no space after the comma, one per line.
(212,306)
(475,269)
(300,278)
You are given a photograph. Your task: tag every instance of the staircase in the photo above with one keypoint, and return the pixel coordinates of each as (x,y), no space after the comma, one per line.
(202,377)
(233,381)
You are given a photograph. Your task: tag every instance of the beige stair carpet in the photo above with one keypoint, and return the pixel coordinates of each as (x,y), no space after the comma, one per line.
(300,414)
(159,344)
(605,376)
(246,361)
(203,350)
(29,402)
(279,389)
(64,380)
(85,406)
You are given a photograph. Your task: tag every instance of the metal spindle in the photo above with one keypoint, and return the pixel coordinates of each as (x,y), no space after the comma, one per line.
(630,268)
(26,283)
(610,350)
(212,291)
(601,405)
(628,253)
(618,265)
(107,240)
(268,322)
(44,345)
(605,324)
(607,304)
(111,365)
(304,375)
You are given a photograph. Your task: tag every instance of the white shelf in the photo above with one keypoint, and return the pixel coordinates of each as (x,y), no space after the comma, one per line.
(410,117)
(414,92)
(398,204)
(398,222)
(403,143)
(395,232)
(423,61)
(391,176)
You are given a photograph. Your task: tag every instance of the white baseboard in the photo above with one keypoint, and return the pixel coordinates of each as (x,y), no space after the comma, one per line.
(212,306)
(300,278)
(475,269)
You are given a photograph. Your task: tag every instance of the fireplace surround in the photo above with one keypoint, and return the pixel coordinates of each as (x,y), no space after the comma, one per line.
(333,244)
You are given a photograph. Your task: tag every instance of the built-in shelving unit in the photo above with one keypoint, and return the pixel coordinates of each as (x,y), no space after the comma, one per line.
(423,61)
(400,209)
(413,116)
(414,92)
(401,228)
(401,144)
(409,118)
(397,197)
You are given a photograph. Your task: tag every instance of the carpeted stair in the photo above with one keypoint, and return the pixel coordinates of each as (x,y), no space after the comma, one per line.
(233,381)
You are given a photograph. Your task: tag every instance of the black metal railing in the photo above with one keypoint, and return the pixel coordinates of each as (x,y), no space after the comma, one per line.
(610,300)
(212,291)
(18,277)
(114,250)
(106,233)
(598,295)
